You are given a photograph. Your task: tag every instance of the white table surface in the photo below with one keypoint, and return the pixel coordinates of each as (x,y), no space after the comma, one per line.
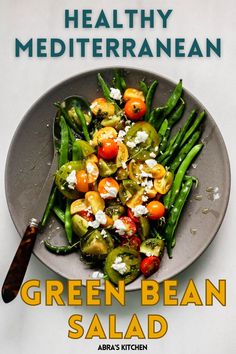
(195,330)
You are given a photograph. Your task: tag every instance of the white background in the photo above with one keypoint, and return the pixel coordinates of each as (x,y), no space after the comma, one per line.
(204,330)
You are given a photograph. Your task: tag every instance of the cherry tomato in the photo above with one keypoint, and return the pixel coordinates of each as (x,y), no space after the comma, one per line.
(82,181)
(133,93)
(130,227)
(135,108)
(108,186)
(108,149)
(86,215)
(131,215)
(150,265)
(100,106)
(156,210)
(133,242)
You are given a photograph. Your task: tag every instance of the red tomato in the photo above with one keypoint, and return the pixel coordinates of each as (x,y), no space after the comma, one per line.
(135,108)
(156,210)
(150,265)
(108,149)
(133,242)
(130,226)
(131,215)
(86,215)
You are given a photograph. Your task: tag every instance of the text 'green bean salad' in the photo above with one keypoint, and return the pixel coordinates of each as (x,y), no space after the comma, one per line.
(122,180)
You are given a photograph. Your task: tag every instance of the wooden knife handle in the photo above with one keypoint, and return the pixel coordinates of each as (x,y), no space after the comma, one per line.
(20,262)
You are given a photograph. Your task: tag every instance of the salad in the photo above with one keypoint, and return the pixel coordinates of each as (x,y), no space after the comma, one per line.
(122,180)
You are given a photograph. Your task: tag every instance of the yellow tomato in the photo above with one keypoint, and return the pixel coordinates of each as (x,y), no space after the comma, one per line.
(133,93)
(100,106)
(104,133)
(164,184)
(92,171)
(77,206)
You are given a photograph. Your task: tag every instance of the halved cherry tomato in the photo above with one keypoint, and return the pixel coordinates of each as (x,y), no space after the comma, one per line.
(77,206)
(133,93)
(108,149)
(104,133)
(150,265)
(82,181)
(108,187)
(130,227)
(156,210)
(135,108)
(133,242)
(86,215)
(131,215)
(100,106)
(92,171)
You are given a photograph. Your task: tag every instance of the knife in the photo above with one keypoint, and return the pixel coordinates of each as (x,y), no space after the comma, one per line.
(20,262)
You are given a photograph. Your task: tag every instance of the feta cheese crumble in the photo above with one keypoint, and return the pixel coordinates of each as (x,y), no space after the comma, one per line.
(115,94)
(111,192)
(97,275)
(145,174)
(123,165)
(144,198)
(71,179)
(120,136)
(139,210)
(104,233)
(89,167)
(100,219)
(119,266)
(120,227)
(152,154)
(131,144)
(151,163)
(141,137)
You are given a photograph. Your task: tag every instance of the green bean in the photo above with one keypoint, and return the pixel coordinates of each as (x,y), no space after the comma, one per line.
(174,98)
(149,99)
(64,148)
(172,222)
(182,170)
(143,87)
(59,213)
(119,81)
(50,204)
(177,114)
(163,128)
(157,117)
(61,250)
(184,151)
(166,199)
(71,135)
(168,154)
(77,153)
(83,123)
(106,91)
(68,224)
(192,129)
(164,141)
(69,121)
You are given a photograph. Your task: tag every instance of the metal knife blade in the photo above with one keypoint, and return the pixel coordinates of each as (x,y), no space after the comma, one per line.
(39,208)
(21,259)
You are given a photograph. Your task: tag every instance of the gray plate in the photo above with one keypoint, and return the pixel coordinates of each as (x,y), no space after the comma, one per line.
(30,155)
